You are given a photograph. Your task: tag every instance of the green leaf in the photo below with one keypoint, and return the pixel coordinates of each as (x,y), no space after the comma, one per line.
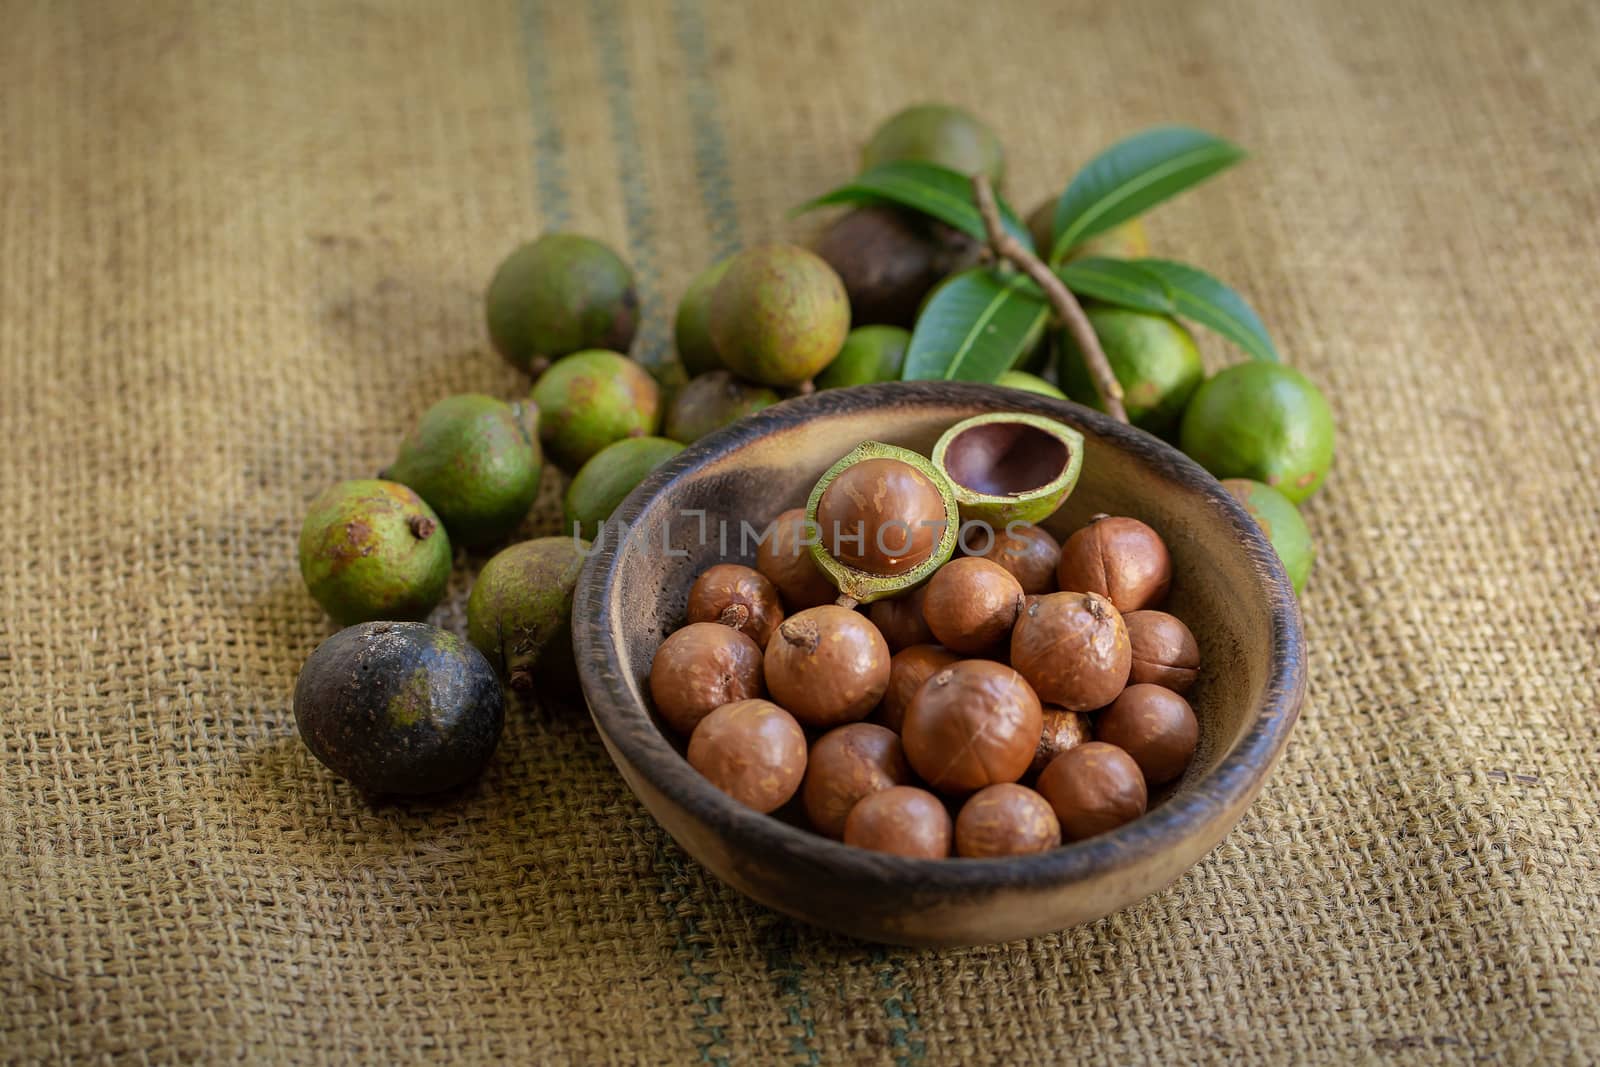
(977,324)
(1118,281)
(1134,175)
(933,190)
(1199,296)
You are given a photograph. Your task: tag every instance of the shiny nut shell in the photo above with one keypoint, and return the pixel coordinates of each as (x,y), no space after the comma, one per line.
(847,763)
(908,669)
(900,620)
(730,585)
(1062,730)
(902,820)
(1165,652)
(1153,725)
(700,668)
(827,665)
(1073,649)
(971,725)
(971,604)
(1122,559)
(882,516)
(1029,552)
(1093,788)
(1006,819)
(785,561)
(753,751)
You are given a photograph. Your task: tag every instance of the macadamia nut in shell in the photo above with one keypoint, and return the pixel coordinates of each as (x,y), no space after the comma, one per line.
(753,751)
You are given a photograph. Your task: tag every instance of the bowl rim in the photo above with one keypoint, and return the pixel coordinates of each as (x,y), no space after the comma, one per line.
(619,714)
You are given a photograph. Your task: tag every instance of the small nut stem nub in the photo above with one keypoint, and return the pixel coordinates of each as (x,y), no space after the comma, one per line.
(735,616)
(421,527)
(801,632)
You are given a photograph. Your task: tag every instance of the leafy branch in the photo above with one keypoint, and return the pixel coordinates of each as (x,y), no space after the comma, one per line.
(1062,302)
(982,322)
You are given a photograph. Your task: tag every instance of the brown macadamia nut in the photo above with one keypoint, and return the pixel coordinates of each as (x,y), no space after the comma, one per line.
(1062,730)
(1153,725)
(730,585)
(785,561)
(971,725)
(882,516)
(1028,552)
(700,668)
(1165,652)
(902,820)
(827,665)
(1006,819)
(900,620)
(1073,649)
(753,751)
(972,604)
(846,764)
(908,669)
(1093,788)
(1122,559)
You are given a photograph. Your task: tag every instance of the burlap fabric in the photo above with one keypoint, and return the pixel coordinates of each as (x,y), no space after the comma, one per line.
(242,247)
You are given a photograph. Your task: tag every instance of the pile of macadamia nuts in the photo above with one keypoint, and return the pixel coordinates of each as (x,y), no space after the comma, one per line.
(1020,697)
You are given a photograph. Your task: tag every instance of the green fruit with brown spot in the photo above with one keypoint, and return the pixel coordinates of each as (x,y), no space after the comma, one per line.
(711,402)
(779,315)
(372,549)
(1265,421)
(476,463)
(1153,357)
(1283,524)
(519,613)
(588,400)
(602,483)
(561,294)
(939,134)
(399,708)
(691,330)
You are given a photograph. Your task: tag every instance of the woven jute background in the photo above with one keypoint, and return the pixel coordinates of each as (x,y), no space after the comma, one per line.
(243,246)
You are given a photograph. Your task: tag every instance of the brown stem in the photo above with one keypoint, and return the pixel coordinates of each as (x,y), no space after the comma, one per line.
(847,601)
(1062,302)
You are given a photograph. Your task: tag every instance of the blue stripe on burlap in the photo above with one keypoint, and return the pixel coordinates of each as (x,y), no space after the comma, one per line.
(606,23)
(549,149)
(710,147)
(680,889)
(899,1009)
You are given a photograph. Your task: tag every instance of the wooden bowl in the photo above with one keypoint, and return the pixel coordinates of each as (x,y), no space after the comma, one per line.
(1228,586)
